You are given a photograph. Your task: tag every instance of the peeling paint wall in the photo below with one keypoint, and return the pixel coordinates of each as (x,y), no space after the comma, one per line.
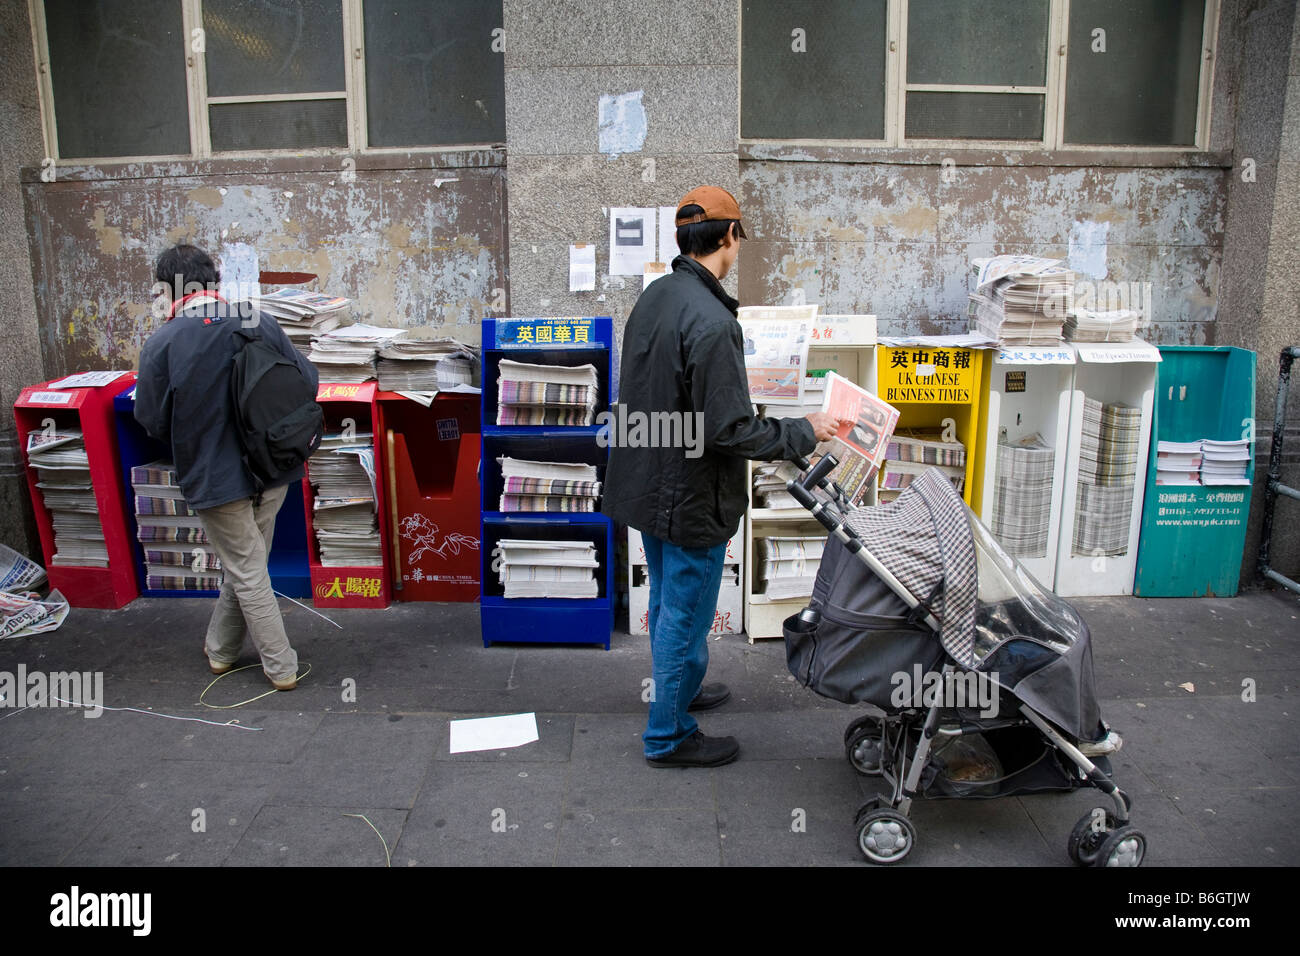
(896,240)
(408,245)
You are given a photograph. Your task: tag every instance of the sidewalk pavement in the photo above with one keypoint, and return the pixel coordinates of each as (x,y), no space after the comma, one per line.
(1215,778)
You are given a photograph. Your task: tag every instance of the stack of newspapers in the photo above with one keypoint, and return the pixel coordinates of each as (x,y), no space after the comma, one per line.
(1022,502)
(1108,455)
(1118,326)
(769,486)
(548,486)
(418,360)
(1021,301)
(546,569)
(545,394)
(342,472)
(301,314)
(63,477)
(177,556)
(347,355)
(788,565)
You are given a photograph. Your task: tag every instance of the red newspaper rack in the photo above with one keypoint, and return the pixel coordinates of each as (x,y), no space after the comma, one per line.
(432,458)
(351,407)
(90,410)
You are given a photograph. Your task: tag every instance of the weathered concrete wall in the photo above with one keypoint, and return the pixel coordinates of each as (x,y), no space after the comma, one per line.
(1261,282)
(408,241)
(560,58)
(896,239)
(20,359)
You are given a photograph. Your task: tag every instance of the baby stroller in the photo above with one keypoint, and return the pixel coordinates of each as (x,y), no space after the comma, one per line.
(985,679)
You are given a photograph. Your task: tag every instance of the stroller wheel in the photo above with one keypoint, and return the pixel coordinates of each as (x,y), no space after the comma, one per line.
(885,836)
(862,747)
(1088,835)
(1123,847)
(865,721)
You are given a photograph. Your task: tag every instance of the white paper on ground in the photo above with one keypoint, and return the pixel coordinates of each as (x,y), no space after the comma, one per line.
(493,733)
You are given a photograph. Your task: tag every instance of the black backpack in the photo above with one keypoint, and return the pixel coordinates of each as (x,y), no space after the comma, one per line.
(276,415)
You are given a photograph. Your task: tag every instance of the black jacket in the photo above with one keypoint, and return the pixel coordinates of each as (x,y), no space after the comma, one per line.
(182,398)
(683,352)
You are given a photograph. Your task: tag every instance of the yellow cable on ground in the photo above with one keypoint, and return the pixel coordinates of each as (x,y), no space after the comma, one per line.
(361,816)
(242,702)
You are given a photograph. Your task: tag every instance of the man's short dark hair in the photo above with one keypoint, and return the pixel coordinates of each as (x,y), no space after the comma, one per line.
(184,268)
(701,238)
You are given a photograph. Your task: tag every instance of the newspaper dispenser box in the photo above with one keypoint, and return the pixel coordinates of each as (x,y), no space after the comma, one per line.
(1193,535)
(1026,393)
(936,390)
(563,340)
(288,559)
(845,345)
(350,408)
(431,464)
(1110,374)
(42,409)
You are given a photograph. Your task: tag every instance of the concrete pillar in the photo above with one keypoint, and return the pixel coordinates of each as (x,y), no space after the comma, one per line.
(20,359)
(560,58)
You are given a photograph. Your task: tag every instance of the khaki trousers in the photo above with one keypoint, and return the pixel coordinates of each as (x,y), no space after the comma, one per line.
(241,536)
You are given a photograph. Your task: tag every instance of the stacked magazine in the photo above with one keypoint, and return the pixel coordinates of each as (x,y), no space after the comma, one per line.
(63,477)
(788,565)
(419,360)
(1202,462)
(1022,502)
(347,355)
(1178,463)
(342,472)
(548,486)
(911,453)
(1021,301)
(1224,462)
(303,315)
(177,556)
(545,394)
(1108,455)
(546,569)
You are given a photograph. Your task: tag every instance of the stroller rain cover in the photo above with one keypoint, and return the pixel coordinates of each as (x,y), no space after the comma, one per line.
(994,617)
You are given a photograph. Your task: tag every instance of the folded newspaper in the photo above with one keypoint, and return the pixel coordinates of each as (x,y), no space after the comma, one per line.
(22,610)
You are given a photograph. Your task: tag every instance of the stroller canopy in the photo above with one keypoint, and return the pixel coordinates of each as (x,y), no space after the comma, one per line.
(924,538)
(994,617)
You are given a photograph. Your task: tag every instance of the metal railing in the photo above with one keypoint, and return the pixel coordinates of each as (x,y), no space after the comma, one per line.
(1274,487)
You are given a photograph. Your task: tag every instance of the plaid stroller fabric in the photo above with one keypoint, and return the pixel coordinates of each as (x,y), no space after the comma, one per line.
(923,537)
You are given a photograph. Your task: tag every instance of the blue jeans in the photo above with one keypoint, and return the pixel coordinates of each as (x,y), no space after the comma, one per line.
(683,598)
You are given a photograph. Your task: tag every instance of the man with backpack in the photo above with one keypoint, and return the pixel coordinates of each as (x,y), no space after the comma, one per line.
(226,391)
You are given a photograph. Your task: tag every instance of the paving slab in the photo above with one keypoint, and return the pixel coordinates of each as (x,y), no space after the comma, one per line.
(318,836)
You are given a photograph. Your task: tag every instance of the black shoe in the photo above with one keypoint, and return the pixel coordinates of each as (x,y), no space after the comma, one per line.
(710,696)
(697,750)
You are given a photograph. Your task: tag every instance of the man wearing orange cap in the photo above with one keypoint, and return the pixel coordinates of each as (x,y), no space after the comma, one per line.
(683,355)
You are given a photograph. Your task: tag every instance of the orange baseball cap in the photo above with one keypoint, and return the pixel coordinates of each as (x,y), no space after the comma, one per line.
(716,202)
